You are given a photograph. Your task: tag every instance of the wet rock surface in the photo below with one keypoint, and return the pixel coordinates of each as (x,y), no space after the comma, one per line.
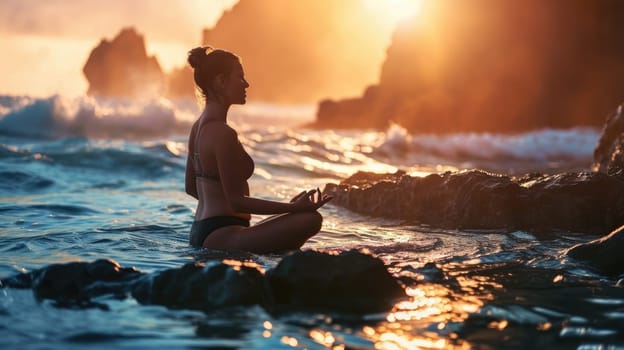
(196,286)
(76,282)
(588,202)
(605,254)
(609,153)
(353,282)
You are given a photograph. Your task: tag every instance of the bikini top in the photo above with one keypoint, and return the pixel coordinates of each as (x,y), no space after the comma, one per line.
(197,164)
(199,173)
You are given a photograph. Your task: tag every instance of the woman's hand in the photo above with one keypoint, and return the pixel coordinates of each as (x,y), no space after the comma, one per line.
(310,200)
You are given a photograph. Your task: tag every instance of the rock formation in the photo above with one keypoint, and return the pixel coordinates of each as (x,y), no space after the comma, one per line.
(609,154)
(583,202)
(313,281)
(122,68)
(605,254)
(304,280)
(499,66)
(200,287)
(76,283)
(300,51)
(180,82)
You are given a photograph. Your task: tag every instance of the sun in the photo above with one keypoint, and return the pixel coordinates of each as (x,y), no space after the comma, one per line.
(394,11)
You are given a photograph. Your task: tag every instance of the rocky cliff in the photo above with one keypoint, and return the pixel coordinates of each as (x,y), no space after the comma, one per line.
(501,66)
(300,51)
(122,68)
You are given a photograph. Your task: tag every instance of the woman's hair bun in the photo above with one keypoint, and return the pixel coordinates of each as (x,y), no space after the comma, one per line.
(197,55)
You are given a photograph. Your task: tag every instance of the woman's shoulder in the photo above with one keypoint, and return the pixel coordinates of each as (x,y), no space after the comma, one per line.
(218,131)
(213,125)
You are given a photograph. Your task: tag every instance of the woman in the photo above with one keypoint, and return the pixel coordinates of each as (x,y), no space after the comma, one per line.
(218,168)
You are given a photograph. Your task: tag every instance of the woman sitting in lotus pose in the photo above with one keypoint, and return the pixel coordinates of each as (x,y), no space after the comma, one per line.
(218,167)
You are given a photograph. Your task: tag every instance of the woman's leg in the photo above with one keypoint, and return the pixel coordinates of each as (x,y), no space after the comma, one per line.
(278,233)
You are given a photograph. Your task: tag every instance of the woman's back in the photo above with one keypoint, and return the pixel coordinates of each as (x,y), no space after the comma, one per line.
(212,200)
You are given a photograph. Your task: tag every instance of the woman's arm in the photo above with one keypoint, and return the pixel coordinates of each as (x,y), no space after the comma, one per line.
(227,151)
(190,184)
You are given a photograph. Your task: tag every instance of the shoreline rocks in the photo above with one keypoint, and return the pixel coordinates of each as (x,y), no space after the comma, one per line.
(605,254)
(587,202)
(351,282)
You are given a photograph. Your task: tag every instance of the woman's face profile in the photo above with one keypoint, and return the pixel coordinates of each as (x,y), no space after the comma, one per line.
(235,86)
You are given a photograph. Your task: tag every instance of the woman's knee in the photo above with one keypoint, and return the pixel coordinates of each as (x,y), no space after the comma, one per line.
(313,221)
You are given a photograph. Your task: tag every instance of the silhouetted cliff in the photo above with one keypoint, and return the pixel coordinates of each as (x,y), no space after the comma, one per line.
(299,51)
(489,65)
(122,68)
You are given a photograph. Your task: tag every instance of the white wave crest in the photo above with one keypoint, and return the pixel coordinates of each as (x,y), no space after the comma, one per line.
(539,146)
(58,116)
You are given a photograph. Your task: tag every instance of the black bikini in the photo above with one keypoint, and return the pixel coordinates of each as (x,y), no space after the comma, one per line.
(202,228)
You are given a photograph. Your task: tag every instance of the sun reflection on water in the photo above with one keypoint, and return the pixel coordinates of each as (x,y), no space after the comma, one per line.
(429,319)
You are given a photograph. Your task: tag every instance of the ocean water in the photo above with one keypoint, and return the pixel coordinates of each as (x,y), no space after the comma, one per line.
(83,179)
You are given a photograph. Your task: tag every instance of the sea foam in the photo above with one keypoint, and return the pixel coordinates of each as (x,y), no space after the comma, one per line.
(58,116)
(540,146)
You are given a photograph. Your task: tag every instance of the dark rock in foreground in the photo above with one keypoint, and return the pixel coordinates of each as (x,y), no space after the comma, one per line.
(350,282)
(609,154)
(605,254)
(196,286)
(585,202)
(75,282)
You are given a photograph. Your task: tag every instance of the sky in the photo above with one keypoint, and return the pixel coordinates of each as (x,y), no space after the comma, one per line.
(45,43)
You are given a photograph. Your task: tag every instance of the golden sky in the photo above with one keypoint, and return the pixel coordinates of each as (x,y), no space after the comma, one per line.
(46,43)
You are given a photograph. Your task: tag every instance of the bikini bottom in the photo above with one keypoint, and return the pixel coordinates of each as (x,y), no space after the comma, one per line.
(202,228)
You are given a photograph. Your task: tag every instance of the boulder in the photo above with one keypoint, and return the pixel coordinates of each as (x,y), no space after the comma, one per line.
(122,68)
(76,281)
(605,254)
(202,287)
(350,282)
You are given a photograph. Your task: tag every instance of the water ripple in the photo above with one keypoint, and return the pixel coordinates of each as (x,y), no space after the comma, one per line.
(19,181)
(64,209)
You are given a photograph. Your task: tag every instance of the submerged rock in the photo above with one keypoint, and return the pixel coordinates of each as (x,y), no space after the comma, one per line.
(584,202)
(196,286)
(351,282)
(76,281)
(604,253)
(609,153)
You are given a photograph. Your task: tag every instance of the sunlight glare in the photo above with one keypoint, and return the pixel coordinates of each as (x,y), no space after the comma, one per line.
(409,325)
(394,11)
